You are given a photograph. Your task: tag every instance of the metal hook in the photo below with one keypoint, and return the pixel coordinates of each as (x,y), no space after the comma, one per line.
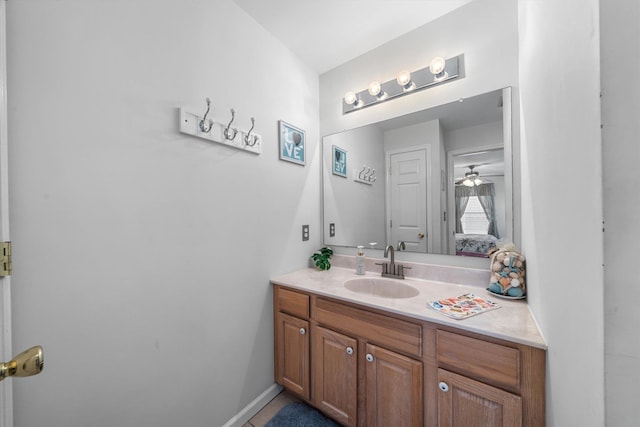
(371,177)
(205,126)
(361,174)
(248,136)
(230,133)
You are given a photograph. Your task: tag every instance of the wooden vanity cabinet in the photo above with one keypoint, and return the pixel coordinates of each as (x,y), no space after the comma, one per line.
(364,367)
(394,386)
(292,342)
(465,402)
(335,375)
(389,393)
(485,381)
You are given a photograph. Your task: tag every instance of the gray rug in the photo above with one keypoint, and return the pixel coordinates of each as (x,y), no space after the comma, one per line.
(300,415)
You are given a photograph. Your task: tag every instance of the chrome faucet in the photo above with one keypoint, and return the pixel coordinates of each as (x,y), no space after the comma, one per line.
(391,269)
(388,249)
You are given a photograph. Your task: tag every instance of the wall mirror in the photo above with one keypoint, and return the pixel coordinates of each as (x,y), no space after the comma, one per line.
(439,180)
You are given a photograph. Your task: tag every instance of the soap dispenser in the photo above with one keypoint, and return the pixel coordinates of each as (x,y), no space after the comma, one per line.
(360,261)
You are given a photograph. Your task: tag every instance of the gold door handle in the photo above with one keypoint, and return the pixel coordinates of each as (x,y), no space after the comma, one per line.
(421,235)
(29,362)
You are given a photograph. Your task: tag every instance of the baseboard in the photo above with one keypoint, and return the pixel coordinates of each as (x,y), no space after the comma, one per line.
(254,407)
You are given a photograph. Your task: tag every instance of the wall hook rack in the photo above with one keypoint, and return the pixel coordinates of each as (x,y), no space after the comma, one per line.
(211,129)
(366,175)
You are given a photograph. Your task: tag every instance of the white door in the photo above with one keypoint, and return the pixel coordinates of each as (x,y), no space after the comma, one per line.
(6,401)
(407,196)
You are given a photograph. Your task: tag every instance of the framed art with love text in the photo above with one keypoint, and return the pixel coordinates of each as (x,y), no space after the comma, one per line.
(292,143)
(339,161)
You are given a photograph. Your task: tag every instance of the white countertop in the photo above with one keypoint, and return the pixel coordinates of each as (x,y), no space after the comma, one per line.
(512,321)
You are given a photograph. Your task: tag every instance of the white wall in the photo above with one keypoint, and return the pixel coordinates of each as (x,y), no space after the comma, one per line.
(481,135)
(142,256)
(485,31)
(356,209)
(562,205)
(619,50)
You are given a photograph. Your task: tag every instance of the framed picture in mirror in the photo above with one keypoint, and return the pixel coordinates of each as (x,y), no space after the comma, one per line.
(339,161)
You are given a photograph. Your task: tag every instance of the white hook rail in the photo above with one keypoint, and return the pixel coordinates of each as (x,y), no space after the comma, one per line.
(198,125)
(366,175)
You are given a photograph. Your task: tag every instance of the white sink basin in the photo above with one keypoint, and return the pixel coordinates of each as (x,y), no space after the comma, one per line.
(381,287)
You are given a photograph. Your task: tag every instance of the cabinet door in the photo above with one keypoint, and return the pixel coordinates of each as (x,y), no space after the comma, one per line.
(465,402)
(393,389)
(335,388)
(292,354)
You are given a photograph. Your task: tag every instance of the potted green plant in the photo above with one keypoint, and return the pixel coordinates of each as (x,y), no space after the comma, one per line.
(321,258)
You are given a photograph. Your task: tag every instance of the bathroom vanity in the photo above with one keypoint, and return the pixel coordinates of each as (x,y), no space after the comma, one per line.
(369,360)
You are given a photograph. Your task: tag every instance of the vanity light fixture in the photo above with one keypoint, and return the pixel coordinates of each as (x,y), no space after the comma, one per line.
(404,79)
(375,89)
(439,70)
(350,98)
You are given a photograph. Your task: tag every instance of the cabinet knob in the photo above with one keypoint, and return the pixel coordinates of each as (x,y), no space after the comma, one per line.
(443,386)
(349,350)
(303,331)
(369,357)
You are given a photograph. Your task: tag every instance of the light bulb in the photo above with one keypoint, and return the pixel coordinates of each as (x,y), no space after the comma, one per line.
(437,65)
(375,88)
(403,78)
(350,98)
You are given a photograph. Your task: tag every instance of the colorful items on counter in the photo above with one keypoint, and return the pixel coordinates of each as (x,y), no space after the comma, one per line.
(507,272)
(462,307)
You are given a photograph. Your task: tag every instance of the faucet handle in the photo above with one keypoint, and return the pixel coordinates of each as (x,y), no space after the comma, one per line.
(401,269)
(385,267)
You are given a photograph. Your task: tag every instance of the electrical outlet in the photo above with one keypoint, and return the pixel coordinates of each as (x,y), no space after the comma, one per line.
(305,233)
(332,230)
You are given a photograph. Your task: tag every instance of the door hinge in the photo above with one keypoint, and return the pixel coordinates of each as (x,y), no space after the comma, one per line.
(5,259)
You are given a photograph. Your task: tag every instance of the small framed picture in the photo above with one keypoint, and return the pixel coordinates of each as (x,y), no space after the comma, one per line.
(292,143)
(339,161)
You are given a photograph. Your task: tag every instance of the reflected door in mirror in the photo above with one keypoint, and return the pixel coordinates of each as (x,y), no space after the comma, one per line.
(408,199)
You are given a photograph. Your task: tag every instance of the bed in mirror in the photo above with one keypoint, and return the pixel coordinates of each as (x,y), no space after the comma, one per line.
(437,181)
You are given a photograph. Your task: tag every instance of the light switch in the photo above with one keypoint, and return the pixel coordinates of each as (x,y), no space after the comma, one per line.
(305,233)
(332,230)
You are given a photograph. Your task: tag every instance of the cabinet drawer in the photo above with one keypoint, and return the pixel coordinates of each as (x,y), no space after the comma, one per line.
(292,302)
(483,360)
(389,332)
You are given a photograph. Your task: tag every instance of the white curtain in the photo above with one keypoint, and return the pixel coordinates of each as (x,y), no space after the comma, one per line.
(485,193)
